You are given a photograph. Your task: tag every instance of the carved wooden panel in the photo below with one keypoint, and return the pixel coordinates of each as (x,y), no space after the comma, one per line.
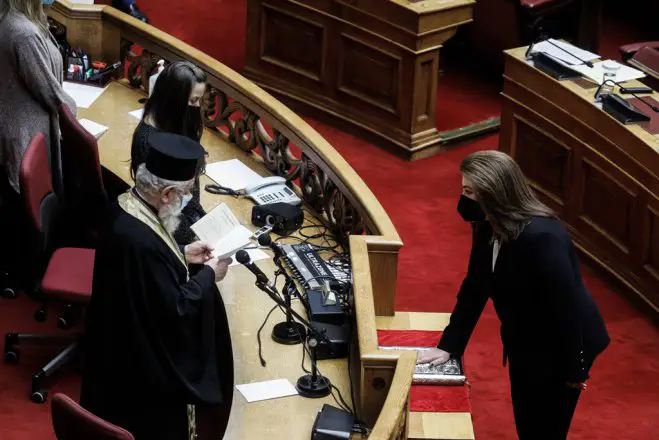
(607,205)
(292,43)
(369,74)
(545,162)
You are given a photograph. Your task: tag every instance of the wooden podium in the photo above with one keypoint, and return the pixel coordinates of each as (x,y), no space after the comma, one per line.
(370,66)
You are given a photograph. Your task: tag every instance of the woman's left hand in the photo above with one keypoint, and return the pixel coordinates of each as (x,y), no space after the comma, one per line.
(577,385)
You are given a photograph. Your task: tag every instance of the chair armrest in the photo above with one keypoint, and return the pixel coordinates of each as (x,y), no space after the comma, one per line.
(628,50)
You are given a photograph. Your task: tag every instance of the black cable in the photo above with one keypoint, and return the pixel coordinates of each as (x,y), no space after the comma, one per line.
(258,334)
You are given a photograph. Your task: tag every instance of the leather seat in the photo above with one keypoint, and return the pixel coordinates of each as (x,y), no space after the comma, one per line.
(645,57)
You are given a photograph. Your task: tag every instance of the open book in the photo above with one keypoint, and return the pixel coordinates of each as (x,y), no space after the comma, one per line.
(222,230)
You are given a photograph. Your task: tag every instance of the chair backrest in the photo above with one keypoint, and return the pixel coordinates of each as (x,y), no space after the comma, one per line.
(81,166)
(35,181)
(73,422)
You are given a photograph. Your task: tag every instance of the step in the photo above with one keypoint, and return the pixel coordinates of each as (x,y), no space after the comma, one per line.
(441,426)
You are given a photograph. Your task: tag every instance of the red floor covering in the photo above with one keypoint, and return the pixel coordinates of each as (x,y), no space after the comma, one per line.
(623,399)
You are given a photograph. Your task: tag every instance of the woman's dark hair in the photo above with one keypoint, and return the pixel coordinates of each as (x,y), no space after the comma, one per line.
(168,104)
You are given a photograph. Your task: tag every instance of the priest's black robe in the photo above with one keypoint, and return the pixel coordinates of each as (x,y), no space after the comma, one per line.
(156,339)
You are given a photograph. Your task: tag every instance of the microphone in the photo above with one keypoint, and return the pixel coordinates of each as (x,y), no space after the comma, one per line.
(544,38)
(266,241)
(628,91)
(243,258)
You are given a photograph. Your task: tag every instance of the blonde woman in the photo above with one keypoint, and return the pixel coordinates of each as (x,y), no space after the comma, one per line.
(523,258)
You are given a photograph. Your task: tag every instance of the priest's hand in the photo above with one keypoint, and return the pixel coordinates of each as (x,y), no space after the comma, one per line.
(220,267)
(432,357)
(198,253)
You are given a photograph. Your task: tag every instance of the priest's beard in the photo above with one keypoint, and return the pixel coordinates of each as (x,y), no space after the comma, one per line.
(170,215)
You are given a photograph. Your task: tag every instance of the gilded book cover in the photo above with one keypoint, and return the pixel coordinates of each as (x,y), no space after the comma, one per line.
(449,373)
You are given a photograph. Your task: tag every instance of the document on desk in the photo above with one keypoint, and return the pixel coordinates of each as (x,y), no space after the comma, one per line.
(232,174)
(596,73)
(137,114)
(82,94)
(270,389)
(221,229)
(565,53)
(97,130)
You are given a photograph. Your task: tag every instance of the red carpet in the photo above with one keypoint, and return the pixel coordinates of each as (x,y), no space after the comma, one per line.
(623,399)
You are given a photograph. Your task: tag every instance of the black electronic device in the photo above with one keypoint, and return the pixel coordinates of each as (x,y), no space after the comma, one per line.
(332,424)
(632,90)
(622,110)
(312,271)
(284,218)
(553,68)
(324,309)
(338,337)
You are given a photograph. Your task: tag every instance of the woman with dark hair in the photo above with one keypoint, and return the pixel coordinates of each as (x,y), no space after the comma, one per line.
(523,258)
(175,107)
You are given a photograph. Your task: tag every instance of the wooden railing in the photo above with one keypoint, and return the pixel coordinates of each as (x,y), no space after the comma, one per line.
(252,120)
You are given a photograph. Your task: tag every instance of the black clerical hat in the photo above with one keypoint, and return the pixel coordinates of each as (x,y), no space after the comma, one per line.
(173,157)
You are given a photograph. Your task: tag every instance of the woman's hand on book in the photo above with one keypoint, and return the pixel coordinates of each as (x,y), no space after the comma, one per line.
(434,356)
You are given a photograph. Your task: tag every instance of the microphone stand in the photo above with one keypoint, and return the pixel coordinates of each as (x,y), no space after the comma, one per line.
(288,332)
(312,385)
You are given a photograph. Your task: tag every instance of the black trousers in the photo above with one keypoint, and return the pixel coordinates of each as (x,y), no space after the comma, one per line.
(542,402)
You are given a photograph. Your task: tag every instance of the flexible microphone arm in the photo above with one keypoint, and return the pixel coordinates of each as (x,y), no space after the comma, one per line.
(243,258)
(546,39)
(598,93)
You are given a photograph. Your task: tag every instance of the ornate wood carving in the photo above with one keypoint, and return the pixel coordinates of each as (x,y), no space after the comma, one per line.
(244,128)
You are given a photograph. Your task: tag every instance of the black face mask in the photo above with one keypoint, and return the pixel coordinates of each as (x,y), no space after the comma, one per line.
(193,122)
(470,210)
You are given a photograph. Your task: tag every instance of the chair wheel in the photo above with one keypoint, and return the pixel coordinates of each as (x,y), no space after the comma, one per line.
(8,292)
(39,396)
(40,315)
(12,356)
(63,323)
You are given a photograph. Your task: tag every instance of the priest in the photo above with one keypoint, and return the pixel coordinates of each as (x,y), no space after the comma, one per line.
(155,344)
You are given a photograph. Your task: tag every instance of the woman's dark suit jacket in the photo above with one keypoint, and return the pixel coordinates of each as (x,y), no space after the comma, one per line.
(548,318)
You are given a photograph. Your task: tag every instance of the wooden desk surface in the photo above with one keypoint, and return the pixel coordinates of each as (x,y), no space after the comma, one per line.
(288,418)
(587,95)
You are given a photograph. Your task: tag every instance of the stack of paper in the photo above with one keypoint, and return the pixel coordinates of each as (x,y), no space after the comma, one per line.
(270,389)
(97,130)
(82,94)
(596,73)
(565,53)
(222,230)
(232,174)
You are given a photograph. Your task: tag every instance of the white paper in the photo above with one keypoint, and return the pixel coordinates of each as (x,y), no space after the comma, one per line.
(564,56)
(254,255)
(270,389)
(238,238)
(222,230)
(97,130)
(83,95)
(596,73)
(137,114)
(232,174)
(216,224)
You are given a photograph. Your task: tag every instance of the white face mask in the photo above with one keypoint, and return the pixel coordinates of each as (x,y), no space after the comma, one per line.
(185,200)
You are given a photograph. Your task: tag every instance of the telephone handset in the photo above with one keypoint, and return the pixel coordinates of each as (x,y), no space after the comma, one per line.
(272,189)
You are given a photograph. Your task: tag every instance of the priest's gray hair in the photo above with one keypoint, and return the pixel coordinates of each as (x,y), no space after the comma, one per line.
(151,185)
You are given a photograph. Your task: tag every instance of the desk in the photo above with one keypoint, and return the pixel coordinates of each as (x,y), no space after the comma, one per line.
(365,65)
(246,305)
(600,176)
(245,122)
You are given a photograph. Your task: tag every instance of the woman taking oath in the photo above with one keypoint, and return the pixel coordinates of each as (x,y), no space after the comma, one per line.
(175,107)
(523,258)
